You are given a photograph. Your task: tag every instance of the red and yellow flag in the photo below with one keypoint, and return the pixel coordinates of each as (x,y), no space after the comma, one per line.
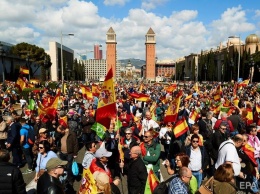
(243,83)
(219,90)
(249,116)
(194,116)
(151,182)
(236,101)
(20,84)
(180,128)
(95,90)
(88,183)
(188,97)
(257,108)
(249,151)
(171,88)
(24,70)
(173,109)
(106,109)
(86,93)
(63,121)
(196,87)
(139,96)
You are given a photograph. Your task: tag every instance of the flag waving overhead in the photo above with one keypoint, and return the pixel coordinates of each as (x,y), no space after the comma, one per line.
(173,109)
(20,84)
(24,70)
(180,128)
(106,109)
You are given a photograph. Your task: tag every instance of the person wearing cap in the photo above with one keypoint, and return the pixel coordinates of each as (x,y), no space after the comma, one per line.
(100,162)
(89,154)
(49,182)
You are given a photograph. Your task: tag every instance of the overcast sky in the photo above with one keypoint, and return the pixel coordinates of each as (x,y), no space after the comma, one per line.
(181,26)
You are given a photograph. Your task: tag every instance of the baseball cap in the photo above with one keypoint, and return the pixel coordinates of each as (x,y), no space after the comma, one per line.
(54,162)
(42,130)
(102,152)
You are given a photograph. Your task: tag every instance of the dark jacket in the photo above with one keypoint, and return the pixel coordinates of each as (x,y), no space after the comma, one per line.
(136,176)
(13,134)
(217,139)
(87,123)
(72,143)
(204,156)
(11,179)
(48,184)
(37,127)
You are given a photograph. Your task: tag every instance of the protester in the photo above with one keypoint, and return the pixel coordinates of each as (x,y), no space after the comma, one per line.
(87,121)
(13,184)
(137,173)
(49,182)
(44,155)
(91,149)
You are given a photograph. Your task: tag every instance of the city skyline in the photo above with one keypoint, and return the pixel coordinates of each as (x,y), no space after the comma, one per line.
(181,27)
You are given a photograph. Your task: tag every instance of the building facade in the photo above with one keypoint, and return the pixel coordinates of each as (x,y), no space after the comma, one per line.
(95,69)
(55,55)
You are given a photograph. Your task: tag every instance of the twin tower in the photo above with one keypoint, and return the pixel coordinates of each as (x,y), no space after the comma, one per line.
(150,56)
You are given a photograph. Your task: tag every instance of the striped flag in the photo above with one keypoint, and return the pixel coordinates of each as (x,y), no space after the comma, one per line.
(180,128)
(20,84)
(249,116)
(243,83)
(171,88)
(257,108)
(173,109)
(194,116)
(236,101)
(106,109)
(151,182)
(24,70)
(139,96)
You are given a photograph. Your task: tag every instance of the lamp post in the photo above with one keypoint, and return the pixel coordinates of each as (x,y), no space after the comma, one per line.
(238,63)
(251,65)
(61,55)
(2,54)
(205,69)
(231,68)
(196,73)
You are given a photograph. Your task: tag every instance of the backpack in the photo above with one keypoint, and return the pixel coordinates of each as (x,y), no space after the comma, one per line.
(208,127)
(162,187)
(241,126)
(31,136)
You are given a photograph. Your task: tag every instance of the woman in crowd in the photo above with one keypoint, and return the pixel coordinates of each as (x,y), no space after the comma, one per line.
(224,180)
(3,133)
(182,160)
(43,157)
(194,130)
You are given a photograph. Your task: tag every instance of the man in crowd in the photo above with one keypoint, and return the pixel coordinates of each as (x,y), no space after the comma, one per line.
(179,183)
(11,178)
(89,154)
(148,123)
(151,152)
(26,147)
(38,125)
(13,140)
(49,182)
(87,121)
(137,173)
(227,153)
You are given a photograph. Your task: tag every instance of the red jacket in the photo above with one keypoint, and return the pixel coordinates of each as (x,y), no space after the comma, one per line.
(218,122)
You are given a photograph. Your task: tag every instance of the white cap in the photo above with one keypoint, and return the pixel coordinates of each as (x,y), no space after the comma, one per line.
(102,152)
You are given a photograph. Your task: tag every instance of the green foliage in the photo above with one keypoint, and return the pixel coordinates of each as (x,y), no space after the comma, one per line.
(52,85)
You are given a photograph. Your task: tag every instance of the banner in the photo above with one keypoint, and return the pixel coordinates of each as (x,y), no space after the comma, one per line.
(180,128)
(88,184)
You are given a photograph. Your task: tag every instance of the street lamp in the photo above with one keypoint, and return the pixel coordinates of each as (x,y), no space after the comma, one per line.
(61,55)
(2,54)
(205,70)
(251,65)
(238,63)
(231,68)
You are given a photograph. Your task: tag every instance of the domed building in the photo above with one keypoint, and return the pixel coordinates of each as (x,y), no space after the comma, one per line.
(252,42)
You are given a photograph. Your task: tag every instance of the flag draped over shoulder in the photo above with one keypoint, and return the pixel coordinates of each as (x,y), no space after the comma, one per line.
(100,129)
(249,151)
(106,109)
(180,128)
(24,70)
(151,182)
(173,109)
(88,184)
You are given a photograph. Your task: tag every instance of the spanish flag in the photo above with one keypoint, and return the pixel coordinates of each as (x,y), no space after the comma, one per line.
(227,103)
(88,183)
(257,108)
(194,116)
(196,87)
(95,90)
(139,96)
(249,151)
(171,88)
(20,84)
(86,93)
(216,97)
(151,182)
(235,101)
(188,97)
(219,90)
(64,121)
(180,128)
(106,109)
(249,116)
(173,109)
(24,70)
(243,83)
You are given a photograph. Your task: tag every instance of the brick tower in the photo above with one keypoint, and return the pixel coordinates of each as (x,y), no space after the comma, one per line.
(150,55)
(111,50)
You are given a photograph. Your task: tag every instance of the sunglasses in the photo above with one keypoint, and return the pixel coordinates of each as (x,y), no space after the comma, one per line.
(128,133)
(146,136)
(223,128)
(195,141)
(41,147)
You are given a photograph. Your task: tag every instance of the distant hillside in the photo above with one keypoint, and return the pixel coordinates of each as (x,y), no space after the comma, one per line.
(138,63)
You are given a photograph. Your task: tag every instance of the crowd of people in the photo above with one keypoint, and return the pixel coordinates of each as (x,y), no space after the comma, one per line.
(219,146)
